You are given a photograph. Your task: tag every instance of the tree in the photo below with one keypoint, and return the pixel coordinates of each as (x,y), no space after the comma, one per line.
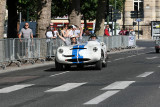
(100,18)
(2,16)
(75,15)
(28,9)
(12,18)
(90,14)
(44,17)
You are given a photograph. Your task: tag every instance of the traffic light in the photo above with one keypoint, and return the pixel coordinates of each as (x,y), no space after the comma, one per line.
(137,14)
(116,14)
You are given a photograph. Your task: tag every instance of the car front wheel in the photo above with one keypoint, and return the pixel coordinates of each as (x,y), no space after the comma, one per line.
(157,50)
(58,65)
(99,65)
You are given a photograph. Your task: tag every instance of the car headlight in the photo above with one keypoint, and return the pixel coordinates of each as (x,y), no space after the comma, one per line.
(60,50)
(95,49)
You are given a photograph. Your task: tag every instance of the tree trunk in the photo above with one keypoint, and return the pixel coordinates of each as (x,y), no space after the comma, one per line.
(100,19)
(75,16)
(85,22)
(12,18)
(44,18)
(2,16)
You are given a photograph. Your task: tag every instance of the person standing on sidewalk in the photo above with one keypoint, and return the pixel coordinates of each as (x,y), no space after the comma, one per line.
(27,34)
(106,31)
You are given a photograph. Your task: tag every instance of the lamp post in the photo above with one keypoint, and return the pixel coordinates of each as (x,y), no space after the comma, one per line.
(115,19)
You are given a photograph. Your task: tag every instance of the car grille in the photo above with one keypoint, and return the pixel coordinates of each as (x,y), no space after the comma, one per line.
(78,60)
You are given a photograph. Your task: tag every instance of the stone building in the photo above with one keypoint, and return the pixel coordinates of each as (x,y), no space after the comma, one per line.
(151,9)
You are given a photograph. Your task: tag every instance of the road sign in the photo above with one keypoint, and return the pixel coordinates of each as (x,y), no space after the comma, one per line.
(138,20)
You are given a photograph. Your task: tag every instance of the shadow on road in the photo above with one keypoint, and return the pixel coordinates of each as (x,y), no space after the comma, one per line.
(86,68)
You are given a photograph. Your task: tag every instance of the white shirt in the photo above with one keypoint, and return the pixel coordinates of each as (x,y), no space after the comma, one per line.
(76,32)
(55,33)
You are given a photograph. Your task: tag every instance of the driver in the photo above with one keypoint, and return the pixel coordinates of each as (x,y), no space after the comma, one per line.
(72,41)
(93,37)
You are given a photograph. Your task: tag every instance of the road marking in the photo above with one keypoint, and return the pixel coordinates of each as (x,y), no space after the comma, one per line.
(108,61)
(59,74)
(101,97)
(130,56)
(145,74)
(158,66)
(118,59)
(118,85)
(14,88)
(152,57)
(66,87)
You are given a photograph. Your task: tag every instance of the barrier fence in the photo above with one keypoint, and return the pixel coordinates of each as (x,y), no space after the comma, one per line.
(32,50)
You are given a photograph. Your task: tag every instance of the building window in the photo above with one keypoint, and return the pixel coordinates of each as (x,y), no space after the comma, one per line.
(138,5)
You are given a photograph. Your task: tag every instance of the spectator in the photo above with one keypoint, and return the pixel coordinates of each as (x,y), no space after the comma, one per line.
(131,32)
(56,32)
(86,32)
(64,30)
(126,32)
(122,32)
(49,36)
(106,31)
(26,32)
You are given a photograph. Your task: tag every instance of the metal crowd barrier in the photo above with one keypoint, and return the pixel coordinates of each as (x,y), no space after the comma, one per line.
(32,50)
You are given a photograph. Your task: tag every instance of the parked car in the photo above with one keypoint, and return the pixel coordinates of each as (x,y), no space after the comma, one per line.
(91,52)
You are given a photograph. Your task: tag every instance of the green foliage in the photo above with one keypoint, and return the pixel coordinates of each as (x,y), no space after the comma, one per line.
(60,8)
(119,4)
(91,7)
(28,7)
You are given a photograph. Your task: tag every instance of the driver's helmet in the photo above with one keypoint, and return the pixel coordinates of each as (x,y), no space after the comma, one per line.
(73,41)
(93,37)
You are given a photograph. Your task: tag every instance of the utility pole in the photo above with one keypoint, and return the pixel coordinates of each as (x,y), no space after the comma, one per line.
(107,12)
(115,19)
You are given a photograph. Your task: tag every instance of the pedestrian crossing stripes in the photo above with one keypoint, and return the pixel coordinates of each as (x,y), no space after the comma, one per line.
(65,87)
(118,85)
(101,97)
(14,88)
(145,74)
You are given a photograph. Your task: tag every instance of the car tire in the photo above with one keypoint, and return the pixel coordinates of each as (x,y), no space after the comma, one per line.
(104,64)
(58,65)
(99,65)
(157,50)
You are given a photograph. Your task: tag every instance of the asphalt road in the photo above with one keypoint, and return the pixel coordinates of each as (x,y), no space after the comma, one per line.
(130,80)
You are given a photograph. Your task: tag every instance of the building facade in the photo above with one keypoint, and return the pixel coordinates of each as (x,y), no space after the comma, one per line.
(151,10)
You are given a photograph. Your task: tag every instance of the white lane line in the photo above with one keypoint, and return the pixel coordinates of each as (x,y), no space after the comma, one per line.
(108,61)
(118,85)
(101,97)
(14,88)
(152,57)
(66,87)
(145,74)
(118,59)
(130,56)
(59,74)
(158,66)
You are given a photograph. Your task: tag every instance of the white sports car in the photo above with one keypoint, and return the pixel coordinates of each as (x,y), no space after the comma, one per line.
(91,52)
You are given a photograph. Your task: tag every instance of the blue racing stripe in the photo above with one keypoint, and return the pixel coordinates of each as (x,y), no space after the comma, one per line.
(76,54)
